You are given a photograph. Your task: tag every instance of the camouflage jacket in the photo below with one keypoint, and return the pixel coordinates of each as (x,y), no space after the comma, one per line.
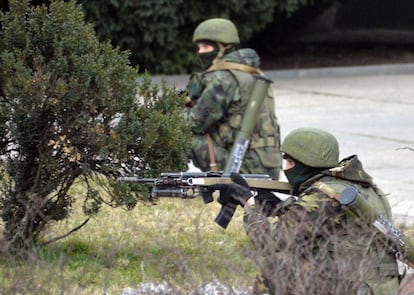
(219,94)
(316,247)
(221,99)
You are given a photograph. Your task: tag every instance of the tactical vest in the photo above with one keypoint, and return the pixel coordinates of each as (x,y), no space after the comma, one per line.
(387,267)
(265,139)
(372,194)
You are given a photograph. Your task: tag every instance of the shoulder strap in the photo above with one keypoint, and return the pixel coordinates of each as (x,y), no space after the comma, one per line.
(226,65)
(327,190)
(213,164)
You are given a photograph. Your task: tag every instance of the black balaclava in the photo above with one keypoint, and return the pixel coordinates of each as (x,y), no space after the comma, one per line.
(207,58)
(299,174)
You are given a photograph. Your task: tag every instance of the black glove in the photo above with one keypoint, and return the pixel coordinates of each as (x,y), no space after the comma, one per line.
(268,202)
(271,205)
(237,193)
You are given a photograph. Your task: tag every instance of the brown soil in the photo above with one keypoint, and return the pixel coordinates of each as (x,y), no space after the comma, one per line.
(407,285)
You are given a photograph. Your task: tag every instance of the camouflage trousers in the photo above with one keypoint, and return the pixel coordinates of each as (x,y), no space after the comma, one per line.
(252,163)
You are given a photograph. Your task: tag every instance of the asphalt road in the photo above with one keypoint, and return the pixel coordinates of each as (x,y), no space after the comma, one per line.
(371,116)
(369,109)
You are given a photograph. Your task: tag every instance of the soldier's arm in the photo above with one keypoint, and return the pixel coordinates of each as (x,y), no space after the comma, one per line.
(211,106)
(297,222)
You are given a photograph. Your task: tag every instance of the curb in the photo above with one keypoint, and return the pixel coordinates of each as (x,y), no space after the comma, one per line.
(372,70)
(180,81)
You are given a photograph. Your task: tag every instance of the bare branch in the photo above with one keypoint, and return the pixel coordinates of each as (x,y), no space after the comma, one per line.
(65,235)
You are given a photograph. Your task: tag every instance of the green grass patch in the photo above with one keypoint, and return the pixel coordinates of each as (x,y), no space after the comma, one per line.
(175,241)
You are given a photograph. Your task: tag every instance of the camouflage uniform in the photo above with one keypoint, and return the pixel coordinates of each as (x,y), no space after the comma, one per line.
(221,100)
(315,247)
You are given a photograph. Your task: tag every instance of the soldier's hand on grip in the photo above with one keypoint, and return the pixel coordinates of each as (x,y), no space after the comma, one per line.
(236,193)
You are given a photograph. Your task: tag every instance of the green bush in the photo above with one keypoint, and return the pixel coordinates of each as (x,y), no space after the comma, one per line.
(159,32)
(73,109)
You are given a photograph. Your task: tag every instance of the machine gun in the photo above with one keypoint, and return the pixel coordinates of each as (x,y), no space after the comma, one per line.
(188,185)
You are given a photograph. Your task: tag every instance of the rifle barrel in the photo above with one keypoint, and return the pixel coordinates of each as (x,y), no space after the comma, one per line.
(136,179)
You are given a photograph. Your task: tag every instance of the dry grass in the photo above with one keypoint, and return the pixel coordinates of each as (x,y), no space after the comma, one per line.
(175,241)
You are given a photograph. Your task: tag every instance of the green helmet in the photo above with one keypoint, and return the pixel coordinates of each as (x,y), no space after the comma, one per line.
(313,147)
(217,29)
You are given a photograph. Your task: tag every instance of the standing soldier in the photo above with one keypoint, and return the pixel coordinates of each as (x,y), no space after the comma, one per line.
(218,98)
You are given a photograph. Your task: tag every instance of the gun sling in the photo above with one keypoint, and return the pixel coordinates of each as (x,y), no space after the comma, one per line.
(213,164)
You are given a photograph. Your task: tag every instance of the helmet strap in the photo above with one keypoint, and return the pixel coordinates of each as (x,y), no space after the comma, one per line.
(223,49)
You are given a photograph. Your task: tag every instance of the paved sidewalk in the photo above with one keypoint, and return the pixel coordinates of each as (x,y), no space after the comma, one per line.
(354,71)
(372,116)
(369,109)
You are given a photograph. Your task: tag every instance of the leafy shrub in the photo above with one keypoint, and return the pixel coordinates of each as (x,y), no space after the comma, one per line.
(159,32)
(69,112)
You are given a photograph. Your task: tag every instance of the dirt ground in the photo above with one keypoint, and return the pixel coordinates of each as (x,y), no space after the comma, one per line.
(301,57)
(407,285)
